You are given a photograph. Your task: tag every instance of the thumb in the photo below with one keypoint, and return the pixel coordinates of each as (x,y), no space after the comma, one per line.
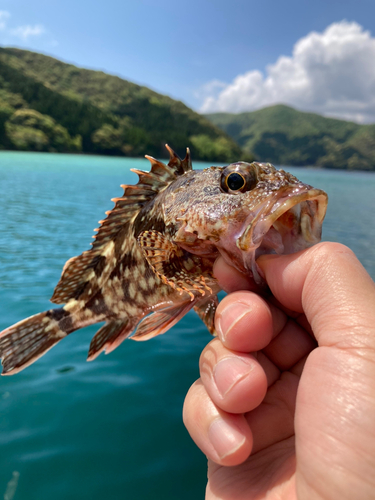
(328,284)
(335,408)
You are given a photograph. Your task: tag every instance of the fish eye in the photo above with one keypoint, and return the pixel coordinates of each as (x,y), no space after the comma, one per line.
(238,178)
(235,181)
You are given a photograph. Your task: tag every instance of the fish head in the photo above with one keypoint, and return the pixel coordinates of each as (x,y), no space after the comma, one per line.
(243,210)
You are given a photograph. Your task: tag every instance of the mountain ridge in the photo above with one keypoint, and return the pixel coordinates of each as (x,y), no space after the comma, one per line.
(283,135)
(49,105)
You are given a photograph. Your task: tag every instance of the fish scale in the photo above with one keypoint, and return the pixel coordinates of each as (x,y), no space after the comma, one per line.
(152,257)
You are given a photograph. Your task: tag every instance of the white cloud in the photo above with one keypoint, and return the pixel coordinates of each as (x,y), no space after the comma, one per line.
(331,73)
(210,89)
(24,32)
(4,16)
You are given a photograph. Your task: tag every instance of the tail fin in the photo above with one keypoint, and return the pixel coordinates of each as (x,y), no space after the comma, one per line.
(26,341)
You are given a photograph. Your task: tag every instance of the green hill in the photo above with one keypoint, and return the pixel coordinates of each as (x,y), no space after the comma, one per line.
(47,105)
(285,136)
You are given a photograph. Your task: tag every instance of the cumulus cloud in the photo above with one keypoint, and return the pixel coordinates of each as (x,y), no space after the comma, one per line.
(24,32)
(210,90)
(332,73)
(4,16)
(19,32)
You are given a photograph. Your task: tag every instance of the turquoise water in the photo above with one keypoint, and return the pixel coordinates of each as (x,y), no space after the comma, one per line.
(111,428)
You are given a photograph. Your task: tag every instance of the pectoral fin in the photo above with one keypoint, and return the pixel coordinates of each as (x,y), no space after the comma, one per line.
(178,268)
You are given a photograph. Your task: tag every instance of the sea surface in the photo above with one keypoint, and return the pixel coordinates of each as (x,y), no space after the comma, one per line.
(111,428)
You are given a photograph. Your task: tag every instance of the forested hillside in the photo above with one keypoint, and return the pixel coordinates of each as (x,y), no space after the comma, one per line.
(285,136)
(47,105)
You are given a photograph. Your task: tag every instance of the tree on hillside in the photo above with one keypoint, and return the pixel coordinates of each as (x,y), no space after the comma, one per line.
(29,130)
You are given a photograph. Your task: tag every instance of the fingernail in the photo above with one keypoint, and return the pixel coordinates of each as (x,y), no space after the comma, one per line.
(224,438)
(229,317)
(229,371)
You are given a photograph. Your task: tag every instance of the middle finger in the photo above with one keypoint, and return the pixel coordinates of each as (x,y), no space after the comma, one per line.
(235,381)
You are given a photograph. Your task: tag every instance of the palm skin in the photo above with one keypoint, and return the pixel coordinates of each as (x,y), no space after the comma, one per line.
(295,419)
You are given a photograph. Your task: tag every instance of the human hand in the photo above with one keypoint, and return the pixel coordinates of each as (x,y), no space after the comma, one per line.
(291,380)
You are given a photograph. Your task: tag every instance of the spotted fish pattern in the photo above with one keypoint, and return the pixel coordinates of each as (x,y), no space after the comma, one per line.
(152,257)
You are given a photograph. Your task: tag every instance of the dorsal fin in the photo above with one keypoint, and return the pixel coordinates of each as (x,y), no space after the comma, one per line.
(82,276)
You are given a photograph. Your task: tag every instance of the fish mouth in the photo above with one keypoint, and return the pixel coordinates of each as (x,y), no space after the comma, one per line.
(291,223)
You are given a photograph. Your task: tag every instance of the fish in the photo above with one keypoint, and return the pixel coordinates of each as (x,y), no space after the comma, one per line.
(152,257)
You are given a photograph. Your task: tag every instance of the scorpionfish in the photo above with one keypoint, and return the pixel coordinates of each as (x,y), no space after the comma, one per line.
(153,255)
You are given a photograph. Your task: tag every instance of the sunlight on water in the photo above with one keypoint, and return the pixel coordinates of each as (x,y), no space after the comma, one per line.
(12,486)
(111,428)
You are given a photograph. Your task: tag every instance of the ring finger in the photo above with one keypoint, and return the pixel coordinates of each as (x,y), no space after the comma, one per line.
(223,437)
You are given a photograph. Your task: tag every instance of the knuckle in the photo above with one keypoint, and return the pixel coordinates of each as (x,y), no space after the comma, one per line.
(327,258)
(209,354)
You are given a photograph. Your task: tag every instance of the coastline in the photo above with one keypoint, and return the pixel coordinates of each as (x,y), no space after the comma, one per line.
(214,161)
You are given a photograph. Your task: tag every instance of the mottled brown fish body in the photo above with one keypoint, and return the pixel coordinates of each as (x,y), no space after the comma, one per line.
(152,258)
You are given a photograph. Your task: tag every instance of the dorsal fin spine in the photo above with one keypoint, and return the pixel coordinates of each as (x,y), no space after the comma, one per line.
(161,170)
(186,162)
(174,159)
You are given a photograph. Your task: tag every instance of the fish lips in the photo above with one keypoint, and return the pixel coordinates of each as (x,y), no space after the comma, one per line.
(285,223)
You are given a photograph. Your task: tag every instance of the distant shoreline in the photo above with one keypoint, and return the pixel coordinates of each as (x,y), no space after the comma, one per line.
(165,159)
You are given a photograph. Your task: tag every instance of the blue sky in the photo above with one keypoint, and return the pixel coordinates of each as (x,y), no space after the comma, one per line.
(214,55)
